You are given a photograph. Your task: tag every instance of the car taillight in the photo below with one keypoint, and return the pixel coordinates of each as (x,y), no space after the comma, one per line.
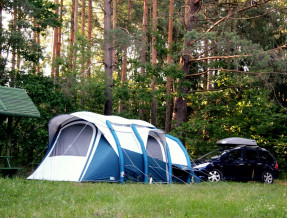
(276,165)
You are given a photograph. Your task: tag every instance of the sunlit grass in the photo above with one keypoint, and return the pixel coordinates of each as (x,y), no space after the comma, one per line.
(26,198)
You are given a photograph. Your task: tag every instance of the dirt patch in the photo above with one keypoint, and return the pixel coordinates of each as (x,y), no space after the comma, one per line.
(281,182)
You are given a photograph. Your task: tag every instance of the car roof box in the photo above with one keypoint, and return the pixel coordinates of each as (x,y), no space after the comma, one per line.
(236,141)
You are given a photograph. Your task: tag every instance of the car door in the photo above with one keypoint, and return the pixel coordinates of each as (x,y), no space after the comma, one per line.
(252,163)
(232,165)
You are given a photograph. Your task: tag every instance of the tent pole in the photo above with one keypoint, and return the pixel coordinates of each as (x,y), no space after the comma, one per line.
(121,157)
(143,151)
(169,163)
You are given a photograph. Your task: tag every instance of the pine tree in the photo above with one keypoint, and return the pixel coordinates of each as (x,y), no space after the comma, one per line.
(83,35)
(168,82)
(108,57)
(154,59)
(90,27)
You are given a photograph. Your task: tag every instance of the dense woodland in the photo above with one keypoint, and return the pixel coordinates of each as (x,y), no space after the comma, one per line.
(200,70)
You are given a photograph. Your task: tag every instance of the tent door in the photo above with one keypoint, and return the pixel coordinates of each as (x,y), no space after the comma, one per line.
(156,160)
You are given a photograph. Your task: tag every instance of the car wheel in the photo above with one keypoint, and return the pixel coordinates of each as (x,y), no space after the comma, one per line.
(267,177)
(214,176)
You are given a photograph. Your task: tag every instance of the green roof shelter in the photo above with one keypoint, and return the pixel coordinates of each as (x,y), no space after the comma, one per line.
(14,102)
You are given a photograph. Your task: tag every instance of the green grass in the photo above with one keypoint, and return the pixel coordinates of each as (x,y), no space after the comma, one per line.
(26,198)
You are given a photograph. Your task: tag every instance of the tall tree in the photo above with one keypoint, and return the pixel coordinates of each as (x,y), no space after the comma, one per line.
(154,59)
(76,26)
(17,39)
(124,63)
(168,82)
(114,27)
(13,61)
(83,13)
(55,46)
(144,35)
(180,104)
(2,59)
(38,40)
(59,39)
(90,27)
(144,48)
(108,57)
(57,42)
(72,36)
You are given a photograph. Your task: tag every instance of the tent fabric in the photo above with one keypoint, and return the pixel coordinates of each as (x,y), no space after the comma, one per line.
(85,146)
(104,165)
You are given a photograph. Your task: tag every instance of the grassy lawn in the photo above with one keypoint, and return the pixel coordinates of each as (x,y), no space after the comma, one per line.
(26,198)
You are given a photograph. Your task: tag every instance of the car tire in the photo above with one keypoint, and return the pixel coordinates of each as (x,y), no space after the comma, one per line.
(214,176)
(267,177)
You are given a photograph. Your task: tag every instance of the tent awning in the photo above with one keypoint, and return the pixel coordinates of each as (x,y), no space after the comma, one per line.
(16,102)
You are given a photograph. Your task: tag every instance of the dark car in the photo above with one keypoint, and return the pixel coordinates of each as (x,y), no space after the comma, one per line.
(240,159)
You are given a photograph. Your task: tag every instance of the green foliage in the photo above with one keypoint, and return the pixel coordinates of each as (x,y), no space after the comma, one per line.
(32,16)
(245,113)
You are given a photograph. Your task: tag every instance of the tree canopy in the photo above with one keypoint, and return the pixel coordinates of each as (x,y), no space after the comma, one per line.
(201,70)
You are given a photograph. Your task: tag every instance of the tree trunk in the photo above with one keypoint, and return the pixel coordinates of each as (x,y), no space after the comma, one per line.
(55,46)
(206,80)
(9,136)
(144,37)
(108,57)
(180,105)
(55,37)
(76,24)
(35,40)
(168,81)
(18,60)
(186,11)
(1,30)
(114,26)
(90,16)
(59,41)
(2,60)
(83,36)
(13,61)
(124,65)
(154,58)
(144,44)
(72,33)
(38,42)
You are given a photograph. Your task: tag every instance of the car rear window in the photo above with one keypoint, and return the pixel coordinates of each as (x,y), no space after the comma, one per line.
(251,155)
(266,157)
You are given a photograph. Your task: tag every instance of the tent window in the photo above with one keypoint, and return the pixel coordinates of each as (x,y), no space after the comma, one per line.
(154,148)
(73,140)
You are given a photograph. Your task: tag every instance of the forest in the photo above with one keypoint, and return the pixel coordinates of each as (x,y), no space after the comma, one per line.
(200,70)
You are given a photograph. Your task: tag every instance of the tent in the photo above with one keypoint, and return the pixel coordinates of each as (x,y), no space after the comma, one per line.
(85,146)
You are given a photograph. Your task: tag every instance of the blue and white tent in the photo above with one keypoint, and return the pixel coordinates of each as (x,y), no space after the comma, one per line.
(85,146)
